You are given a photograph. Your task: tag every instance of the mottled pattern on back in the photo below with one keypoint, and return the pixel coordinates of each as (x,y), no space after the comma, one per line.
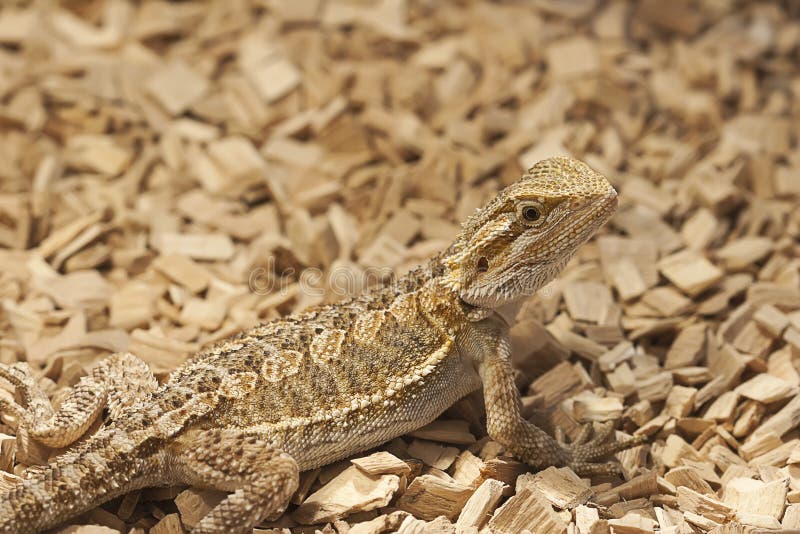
(324,360)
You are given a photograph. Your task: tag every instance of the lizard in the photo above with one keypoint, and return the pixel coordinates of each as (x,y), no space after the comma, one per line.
(250,413)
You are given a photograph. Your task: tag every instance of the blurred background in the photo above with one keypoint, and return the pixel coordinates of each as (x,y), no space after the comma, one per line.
(168,170)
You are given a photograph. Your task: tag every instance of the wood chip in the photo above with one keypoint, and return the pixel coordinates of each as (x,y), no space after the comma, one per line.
(381,463)
(350,492)
(428,497)
(525,509)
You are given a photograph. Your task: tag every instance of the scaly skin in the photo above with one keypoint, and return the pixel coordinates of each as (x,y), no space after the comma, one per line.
(250,413)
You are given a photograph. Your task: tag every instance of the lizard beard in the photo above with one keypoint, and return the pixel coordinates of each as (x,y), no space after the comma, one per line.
(513,284)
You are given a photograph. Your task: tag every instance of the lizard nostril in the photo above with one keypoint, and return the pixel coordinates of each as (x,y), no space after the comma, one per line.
(483,264)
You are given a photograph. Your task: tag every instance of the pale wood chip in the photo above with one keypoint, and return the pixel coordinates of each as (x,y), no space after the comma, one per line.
(381,463)
(351,491)
(428,497)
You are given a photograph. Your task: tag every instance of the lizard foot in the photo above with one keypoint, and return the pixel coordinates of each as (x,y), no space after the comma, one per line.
(262,478)
(583,451)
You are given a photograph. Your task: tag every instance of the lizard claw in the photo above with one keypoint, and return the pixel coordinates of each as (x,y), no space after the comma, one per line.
(583,452)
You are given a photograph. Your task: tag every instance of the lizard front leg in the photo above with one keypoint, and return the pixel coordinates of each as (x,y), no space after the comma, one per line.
(116,382)
(488,343)
(262,478)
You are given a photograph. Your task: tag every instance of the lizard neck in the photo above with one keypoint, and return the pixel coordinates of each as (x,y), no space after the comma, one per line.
(432,284)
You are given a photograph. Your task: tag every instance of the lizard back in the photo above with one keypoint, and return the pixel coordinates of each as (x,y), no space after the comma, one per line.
(293,378)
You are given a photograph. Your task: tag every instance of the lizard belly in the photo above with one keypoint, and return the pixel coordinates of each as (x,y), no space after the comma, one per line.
(313,443)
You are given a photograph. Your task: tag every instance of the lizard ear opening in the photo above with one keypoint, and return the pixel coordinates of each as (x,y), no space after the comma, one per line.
(483,265)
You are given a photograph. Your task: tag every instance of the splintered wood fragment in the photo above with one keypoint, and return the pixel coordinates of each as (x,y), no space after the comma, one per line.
(676,449)
(350,492)
(622,380)
(194,504)
(558,383)
(680,401)
(586,519)
(428,497)
(466,469)
(197,246)
(656,387)
(777,456)
(7,447)
(60,237)
(433,454)
(169,524)
(562,487)
(690,272)
(692,376)
(753,340)
(701,521)
(588,409)
(481,505)
(784,420)
(666,301)
(204,313)
(504,469)
(792,337)
(744,252)
(159,351)
(723,457)
(746,495)
(176,86)
(766,388)
(633,522)
(184,271)
(273,78)
(643,485)
(383,523)
(94,529)
(587,301)
(128,505)
(704,505)
(381,463)
(447,431)
(627,278)
(687,348)
(530,510)
(791,517)
(412,525)
(761,521)
(132,305)
(97,153)
(238,159)
(689,477)
(580,345)
(619,353)
(573,57)
(771,319)
(759,443)
(699,229)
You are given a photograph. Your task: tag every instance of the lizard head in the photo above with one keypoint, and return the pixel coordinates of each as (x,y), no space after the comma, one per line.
(521,240)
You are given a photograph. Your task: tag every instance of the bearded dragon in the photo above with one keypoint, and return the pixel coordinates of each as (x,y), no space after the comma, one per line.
(248,414)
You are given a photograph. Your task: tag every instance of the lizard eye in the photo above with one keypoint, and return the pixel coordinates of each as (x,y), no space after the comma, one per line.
(530,213)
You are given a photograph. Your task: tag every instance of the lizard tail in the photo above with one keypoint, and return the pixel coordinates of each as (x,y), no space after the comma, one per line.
(93,472)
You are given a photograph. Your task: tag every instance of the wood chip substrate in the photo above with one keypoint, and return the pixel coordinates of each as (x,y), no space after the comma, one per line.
(174,172)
